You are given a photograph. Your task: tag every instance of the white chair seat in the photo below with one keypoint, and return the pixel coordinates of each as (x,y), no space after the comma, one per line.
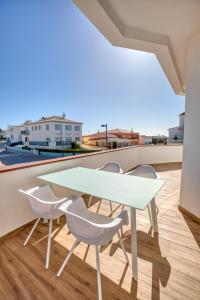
(96,218)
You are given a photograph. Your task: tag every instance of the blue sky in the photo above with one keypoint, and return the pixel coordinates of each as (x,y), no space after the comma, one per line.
(53,60)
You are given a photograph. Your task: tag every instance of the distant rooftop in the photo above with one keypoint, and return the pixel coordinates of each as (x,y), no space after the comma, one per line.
(62,119)
(114,133)
(54,118)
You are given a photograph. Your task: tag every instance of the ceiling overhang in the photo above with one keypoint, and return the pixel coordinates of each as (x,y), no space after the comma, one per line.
(101,14)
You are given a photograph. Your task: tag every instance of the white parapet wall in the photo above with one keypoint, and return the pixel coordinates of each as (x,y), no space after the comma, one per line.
(14,208)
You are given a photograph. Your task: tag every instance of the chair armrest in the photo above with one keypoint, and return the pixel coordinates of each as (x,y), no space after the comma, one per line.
(42,201)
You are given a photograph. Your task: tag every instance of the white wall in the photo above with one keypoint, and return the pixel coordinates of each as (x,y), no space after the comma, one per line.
(13,133)
(14,209)
(181,120)
(176,131)
(40,135)
(190,187)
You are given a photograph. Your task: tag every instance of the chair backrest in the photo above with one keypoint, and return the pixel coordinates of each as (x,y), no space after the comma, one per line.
(78,223)
(144,171)
(43,193)
(112,167)
(85,225)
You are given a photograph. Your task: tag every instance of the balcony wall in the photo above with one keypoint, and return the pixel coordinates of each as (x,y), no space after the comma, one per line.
(15,210)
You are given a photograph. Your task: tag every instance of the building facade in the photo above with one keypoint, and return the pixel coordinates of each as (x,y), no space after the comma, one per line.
(176,134)
(116,138)
(49,132)
(145,140)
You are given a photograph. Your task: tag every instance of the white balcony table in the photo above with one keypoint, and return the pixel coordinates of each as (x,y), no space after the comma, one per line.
(132,191)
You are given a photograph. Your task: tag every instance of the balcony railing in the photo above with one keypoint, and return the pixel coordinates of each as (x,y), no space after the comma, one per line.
(39,143)
(63,143)
(25,132)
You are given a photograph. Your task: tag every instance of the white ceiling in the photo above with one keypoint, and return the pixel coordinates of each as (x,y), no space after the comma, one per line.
(163,27)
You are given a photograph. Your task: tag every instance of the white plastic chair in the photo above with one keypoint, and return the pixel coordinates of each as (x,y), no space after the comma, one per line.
(148,172)
(45,205)
(144,171)
(113,167)
(91,228)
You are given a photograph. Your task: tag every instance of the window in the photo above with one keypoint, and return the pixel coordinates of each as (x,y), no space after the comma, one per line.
(77,128)
(77,139)
(47,126)
(35,127)
(39,127)
(68,139)
(11,129)
(68,127)
(48,140)
(32,127)
(58,126)
(12,137)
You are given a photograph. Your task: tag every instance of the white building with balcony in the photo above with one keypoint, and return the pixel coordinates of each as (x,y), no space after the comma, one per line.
(176,133)
(48,132)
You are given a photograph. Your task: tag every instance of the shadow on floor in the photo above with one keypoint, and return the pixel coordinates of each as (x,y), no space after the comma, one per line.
(167,167)
(28,279)
(149,250)
(193,226)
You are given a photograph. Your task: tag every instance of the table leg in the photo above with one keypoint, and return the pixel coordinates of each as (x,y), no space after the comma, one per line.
(134,243)
(154,215)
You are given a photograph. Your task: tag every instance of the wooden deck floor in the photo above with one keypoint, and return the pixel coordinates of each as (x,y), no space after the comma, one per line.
(169,263)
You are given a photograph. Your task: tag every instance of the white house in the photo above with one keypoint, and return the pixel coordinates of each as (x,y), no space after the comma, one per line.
(13,133)
(176,133)
(48,132)
(145,139)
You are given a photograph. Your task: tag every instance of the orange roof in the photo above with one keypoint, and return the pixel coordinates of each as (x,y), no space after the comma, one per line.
(114,133)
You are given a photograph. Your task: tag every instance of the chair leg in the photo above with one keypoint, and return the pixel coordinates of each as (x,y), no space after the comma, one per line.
(123,248)
(149,212)
(123,206)
(98,274)
(31,232)
(49,244)
(90,200)
(111,206)
(58,220)
(99,205)
(67,257)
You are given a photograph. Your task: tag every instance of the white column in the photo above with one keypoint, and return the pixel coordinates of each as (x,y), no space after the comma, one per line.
(190,185)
